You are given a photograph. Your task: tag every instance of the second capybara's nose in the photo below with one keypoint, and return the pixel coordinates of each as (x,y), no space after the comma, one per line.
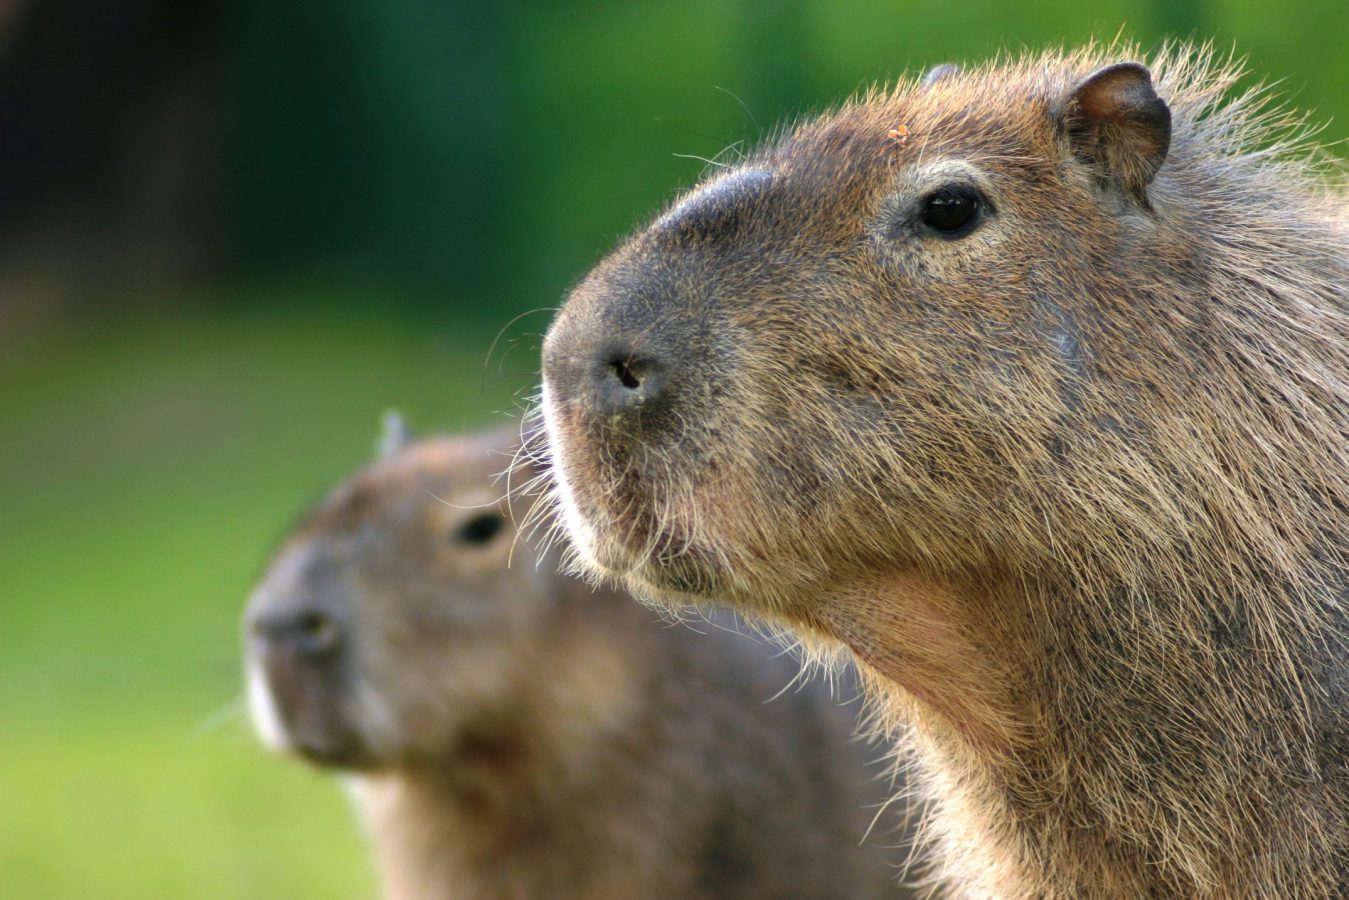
(306,631)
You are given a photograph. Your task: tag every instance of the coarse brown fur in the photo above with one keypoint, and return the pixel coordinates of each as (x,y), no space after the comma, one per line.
(1073,486)
(513,734)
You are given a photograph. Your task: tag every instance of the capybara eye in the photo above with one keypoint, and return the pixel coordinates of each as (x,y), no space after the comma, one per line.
(952,211)
(481,528)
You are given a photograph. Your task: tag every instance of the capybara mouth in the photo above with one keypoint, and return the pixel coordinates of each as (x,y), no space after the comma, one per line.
(623,537)
(690,572)
(303,712)
(654,562)
(344,751)
(325,733)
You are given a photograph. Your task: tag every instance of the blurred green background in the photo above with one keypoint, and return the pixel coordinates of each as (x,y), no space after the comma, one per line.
(231,234)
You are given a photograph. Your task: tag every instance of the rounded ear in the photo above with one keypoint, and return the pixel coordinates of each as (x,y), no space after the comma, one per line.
(939,73)
(395,435)
(1118,126)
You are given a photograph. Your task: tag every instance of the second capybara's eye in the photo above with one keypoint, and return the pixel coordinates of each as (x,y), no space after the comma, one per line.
(952,211)
(481,529)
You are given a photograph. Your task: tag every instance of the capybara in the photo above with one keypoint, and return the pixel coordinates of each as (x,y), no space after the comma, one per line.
(513,735)
(1028,384)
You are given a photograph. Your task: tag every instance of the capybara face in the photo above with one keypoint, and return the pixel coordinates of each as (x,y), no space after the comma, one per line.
(873,337)
(957,336)
(911,331)
(390,628)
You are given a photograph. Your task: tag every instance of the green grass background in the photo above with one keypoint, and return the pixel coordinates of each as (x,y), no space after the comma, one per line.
(146,468)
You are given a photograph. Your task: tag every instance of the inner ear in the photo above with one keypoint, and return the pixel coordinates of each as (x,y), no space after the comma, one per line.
(395,435)
(1118,125)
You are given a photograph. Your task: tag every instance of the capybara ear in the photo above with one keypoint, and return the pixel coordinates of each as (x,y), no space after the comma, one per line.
(395,435)
(939,73)
(1118,125)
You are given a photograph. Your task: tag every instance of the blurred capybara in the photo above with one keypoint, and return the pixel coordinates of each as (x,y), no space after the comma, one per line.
(514,735)
(1029,384)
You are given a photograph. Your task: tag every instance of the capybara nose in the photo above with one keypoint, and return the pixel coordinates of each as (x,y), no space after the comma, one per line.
(305,631)
(626,381)
(605,377)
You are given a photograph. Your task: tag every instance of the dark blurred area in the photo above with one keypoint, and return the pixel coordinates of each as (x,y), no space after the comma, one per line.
(150,146)
(110,162)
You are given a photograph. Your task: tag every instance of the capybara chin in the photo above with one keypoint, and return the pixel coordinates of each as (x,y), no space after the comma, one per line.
(1027,383)
(514,736)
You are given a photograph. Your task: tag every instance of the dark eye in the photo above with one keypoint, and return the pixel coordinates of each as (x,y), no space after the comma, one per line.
(952,211)
(481,528)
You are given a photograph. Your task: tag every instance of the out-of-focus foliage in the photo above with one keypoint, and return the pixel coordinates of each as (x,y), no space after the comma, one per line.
(505,146)
(147,468)
(232,233)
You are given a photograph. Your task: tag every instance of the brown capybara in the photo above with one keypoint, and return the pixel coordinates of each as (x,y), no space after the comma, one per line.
(1028,384)
(515,736)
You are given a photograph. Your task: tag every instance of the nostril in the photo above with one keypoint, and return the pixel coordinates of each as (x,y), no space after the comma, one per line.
(317,631)
(622,369)
(626,380)
(307,632)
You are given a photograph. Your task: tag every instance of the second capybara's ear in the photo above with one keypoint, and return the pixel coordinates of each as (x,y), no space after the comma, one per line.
(939,73)
(1117,124)
(395,435)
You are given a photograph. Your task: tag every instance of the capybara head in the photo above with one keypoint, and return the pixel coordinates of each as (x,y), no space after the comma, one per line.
(1027,383)
(967,325)
(880,335)
(389,630)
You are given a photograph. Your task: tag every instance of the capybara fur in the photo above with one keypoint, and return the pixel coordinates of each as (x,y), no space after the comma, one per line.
(513,735)
(1028,384)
